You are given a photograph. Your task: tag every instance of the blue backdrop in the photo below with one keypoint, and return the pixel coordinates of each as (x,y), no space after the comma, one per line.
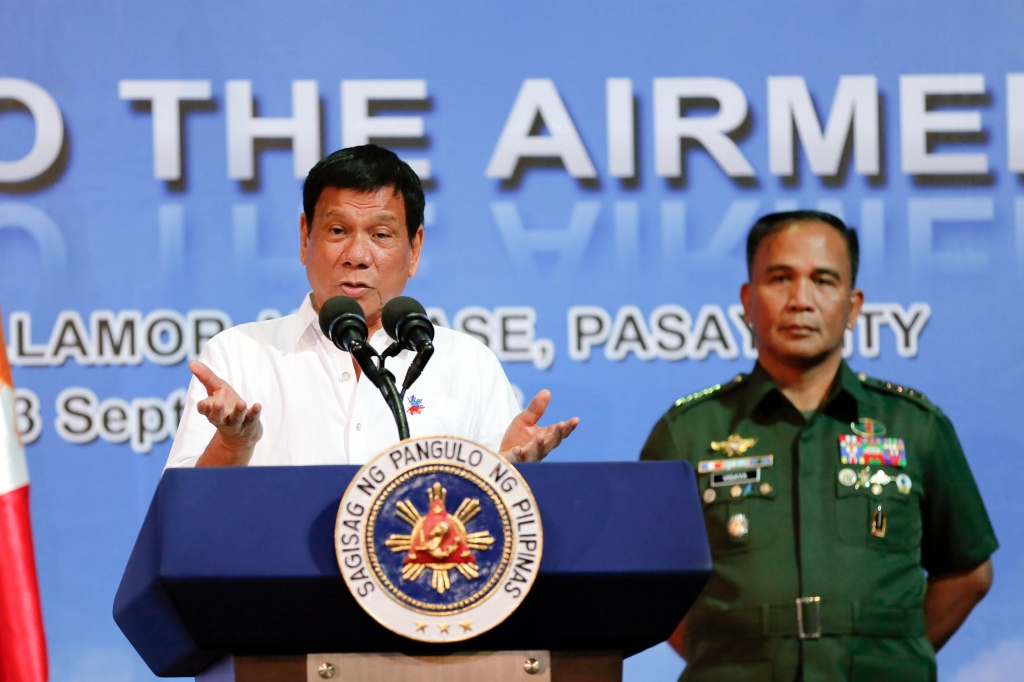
(593,168)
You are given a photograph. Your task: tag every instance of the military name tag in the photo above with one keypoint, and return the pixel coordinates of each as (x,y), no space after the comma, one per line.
(438,539)
(735,477)
(709,466)
(869,451)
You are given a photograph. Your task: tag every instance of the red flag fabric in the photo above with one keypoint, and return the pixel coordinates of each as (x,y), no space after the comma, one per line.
(22,640)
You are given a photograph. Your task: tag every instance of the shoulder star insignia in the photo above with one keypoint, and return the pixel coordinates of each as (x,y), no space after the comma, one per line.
(466,625)
(443,627)
(733,445)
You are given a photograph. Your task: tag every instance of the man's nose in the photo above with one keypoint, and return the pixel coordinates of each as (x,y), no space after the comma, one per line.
(356,251)
(801,295)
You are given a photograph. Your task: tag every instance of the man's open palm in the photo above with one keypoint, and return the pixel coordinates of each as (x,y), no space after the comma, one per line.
(525,441)
(224,408)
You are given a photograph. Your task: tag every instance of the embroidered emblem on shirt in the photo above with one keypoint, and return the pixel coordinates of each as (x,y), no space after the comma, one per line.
(868,427)
(862,451)
(415,405)
(733,445)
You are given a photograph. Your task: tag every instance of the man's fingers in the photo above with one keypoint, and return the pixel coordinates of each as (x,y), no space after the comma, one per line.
(535,410)
(235,415)
(252,416)
(206,377)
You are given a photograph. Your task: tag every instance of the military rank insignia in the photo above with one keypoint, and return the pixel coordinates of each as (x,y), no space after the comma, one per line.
(438,539)
(872,451)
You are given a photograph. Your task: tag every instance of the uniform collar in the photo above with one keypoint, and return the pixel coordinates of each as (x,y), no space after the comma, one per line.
(846,398)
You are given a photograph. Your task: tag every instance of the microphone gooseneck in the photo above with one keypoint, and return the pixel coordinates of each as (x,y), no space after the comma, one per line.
(406,321)
(343,322)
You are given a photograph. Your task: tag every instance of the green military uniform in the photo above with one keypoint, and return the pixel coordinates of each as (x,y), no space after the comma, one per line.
(853,543)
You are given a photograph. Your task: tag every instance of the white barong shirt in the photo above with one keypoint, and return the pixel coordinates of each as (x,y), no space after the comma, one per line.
(315,410)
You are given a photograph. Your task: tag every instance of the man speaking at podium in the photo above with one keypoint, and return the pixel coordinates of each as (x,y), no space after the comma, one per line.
(279,392)
(827,494)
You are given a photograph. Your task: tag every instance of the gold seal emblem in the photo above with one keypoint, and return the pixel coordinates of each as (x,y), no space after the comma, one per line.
(439,540)
(733,445)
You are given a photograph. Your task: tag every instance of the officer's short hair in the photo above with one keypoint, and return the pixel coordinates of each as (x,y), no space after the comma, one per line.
(366,168)
(773,222)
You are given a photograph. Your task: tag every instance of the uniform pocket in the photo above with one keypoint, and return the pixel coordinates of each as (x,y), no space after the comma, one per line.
(741,524)
(890,521)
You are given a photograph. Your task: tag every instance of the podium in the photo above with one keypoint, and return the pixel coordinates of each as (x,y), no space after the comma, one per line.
(234,578)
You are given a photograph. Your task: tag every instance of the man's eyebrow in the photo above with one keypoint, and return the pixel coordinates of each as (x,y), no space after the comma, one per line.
(782,267)
(382,217)
(386,217)
(827,271)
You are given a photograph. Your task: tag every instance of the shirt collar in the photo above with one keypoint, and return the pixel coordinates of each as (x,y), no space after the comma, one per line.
(309,323)
(847,394)
(307,318)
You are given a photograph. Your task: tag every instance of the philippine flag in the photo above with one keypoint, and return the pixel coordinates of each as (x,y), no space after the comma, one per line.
(22,641)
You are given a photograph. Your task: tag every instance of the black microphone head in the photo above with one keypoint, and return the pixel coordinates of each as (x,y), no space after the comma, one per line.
(396,310)
(335,307)
(342,321)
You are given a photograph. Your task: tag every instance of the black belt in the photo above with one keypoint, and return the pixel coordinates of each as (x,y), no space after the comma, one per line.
(810,618)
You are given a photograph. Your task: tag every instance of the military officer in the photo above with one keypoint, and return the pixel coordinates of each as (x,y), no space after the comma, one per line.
(848,537)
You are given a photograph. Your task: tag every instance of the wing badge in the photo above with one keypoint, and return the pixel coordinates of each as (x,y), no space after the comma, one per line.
(733,445)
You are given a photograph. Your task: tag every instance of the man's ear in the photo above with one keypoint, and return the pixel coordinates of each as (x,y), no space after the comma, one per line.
(417,249)
(856,303)
(745,300)
(303,237)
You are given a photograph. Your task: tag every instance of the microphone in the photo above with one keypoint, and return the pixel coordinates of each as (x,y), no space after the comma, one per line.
(405,321)
(342,321)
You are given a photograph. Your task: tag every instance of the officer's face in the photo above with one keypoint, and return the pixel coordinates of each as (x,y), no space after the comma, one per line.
(800,298)
(358,246)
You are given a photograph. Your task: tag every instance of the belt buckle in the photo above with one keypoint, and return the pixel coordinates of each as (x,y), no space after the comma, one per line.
(801,610)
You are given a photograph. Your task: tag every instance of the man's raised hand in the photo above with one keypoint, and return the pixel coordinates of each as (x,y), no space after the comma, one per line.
(525,441)
(238,427)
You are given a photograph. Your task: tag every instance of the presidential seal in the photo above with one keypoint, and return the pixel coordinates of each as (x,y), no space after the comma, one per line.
(439,539)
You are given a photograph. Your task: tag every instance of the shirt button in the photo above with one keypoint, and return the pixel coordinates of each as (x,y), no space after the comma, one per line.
(359,427)
(345,376)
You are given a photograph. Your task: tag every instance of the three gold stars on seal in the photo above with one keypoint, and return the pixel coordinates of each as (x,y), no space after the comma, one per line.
(466,626)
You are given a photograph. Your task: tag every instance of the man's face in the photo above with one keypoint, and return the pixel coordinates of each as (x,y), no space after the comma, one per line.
(800,299)
(358,246)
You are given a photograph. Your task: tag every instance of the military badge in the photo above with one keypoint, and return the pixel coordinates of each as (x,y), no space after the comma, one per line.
(847,477)
(738,526)
(438,539)
(733,445)
(903,484)
(869,428)
(864,450)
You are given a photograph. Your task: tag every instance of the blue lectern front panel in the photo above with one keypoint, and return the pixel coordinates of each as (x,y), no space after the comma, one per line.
(242,561)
